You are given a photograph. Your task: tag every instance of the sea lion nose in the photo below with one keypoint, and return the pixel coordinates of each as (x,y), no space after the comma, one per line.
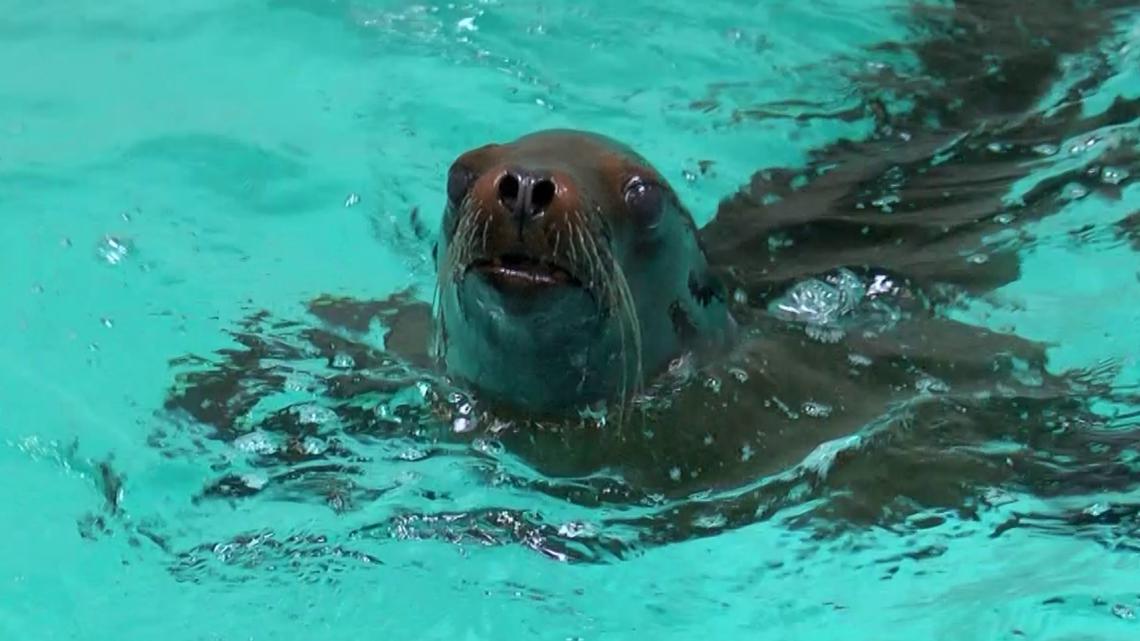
(525,194)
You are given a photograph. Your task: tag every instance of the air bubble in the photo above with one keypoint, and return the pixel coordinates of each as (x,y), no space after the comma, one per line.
(352,200)
(343,361)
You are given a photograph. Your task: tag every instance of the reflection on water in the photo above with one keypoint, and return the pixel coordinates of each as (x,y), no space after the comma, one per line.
(857,399)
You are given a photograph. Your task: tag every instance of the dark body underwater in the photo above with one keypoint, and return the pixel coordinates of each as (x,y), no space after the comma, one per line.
(882,412)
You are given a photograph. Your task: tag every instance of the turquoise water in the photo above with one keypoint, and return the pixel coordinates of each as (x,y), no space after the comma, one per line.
(166,170)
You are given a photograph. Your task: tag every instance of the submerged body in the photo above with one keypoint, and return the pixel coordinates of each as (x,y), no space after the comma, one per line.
(568,272)
(889,418)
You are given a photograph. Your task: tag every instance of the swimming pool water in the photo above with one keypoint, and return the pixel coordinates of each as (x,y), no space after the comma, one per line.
(167,169)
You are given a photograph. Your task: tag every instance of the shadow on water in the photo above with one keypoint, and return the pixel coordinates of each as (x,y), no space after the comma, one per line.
(856,401)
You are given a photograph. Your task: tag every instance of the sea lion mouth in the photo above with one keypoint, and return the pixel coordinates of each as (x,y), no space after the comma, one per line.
(514,270)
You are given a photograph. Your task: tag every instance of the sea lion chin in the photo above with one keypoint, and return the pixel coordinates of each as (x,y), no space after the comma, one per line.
(568,273)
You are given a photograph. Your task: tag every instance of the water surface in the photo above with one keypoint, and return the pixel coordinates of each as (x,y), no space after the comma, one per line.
(170,172)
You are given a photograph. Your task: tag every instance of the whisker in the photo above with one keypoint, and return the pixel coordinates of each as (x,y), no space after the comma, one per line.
(616,292)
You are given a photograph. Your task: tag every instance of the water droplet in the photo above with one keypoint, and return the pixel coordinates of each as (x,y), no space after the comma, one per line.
(1005,219)
(1045,149)
(710,521)
(1122,611)
(343,361)
(859,360)
(675,473)
(884,203)
(352,200)
(577,530)
(467,24)
(881,285)
(1096,510)
(38,288)
(929,385)
(413,454)
(256,443)
(107,322)
(65,242)
(978,259)
(821,302)
(485,446)
(816,410)
(313,446)
(746,453)
(998,147)
(1113,175)
(462,425)
(295,382)
(1083,146)
(113,250)
(689,176)
(314,414)
(997,497)
(1074,191)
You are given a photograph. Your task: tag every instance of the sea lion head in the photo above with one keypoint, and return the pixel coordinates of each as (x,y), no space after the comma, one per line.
(568,271)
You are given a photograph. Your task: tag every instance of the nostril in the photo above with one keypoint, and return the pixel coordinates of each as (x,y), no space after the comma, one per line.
(508,190)
(542,194)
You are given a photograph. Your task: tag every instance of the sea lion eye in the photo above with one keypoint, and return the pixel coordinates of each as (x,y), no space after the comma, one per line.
(459,181)
(645,201)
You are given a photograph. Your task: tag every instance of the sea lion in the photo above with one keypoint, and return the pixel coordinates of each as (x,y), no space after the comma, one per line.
(568,269)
